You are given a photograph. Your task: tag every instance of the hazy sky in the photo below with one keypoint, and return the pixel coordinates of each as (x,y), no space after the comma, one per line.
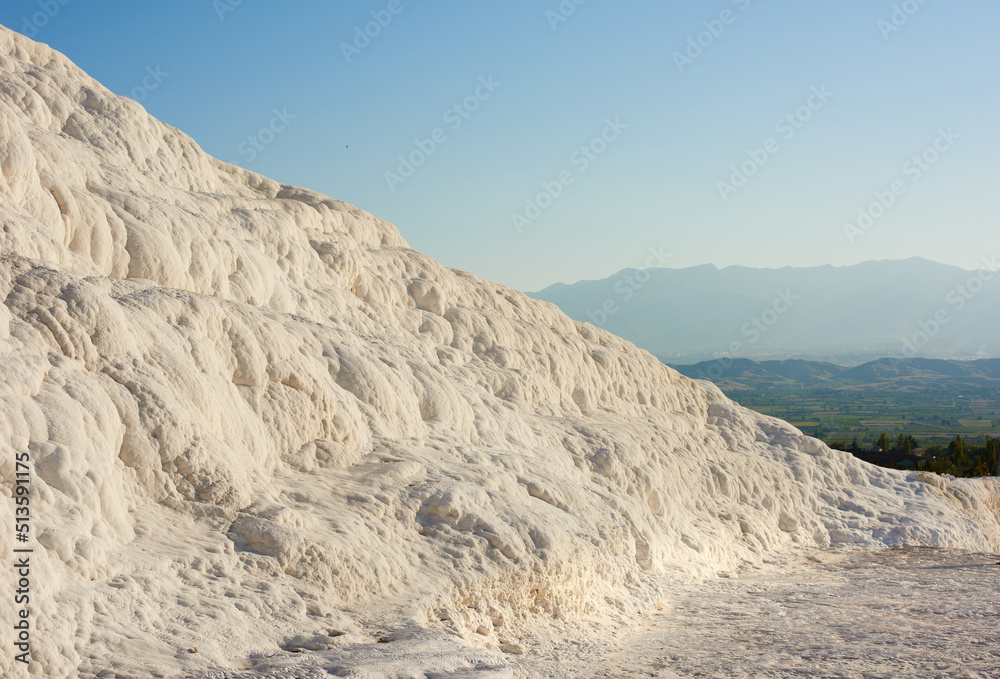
(628,118)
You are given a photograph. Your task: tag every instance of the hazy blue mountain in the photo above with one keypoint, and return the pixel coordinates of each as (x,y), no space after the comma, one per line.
(907,308)
(742,372)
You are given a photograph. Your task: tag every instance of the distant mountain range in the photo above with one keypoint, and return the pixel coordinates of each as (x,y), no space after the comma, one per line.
(852,314)
(885,373)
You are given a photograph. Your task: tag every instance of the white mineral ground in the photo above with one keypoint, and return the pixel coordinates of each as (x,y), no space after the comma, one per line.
(267,438)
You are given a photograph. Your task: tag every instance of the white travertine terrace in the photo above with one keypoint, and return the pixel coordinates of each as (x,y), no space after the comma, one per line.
(254,415)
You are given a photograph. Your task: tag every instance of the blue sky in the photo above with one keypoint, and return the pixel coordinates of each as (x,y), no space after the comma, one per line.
(588,114)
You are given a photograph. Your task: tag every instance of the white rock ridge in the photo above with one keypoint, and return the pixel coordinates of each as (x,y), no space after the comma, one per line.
(256,419)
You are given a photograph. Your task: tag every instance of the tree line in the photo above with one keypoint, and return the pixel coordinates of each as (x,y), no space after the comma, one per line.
(961,458)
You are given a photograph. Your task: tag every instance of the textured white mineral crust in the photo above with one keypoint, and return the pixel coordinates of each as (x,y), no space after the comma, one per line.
(258,421)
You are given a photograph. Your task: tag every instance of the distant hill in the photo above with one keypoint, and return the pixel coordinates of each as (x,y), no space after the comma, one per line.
(905,374)
(910,308)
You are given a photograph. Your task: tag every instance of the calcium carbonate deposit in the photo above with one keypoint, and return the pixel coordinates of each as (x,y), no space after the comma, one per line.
(258,432)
